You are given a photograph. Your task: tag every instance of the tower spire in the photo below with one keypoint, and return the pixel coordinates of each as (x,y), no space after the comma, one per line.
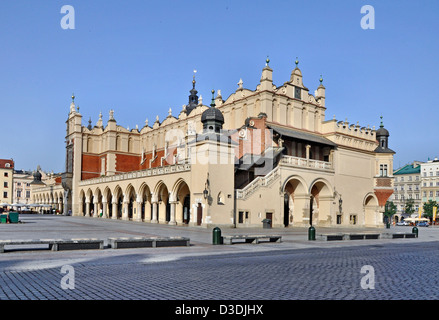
(193,97)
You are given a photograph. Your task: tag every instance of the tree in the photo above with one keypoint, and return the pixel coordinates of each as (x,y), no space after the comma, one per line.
(389,210)
(409,206)
(428,208)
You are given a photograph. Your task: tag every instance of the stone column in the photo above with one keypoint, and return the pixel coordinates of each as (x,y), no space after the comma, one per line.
(154,212)
(95,209)
(139,209)
(104,209)
(172,218)
(87,207)
(125,209)
(114,209)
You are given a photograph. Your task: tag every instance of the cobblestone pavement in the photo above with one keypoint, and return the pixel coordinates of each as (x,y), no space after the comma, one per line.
(293,270)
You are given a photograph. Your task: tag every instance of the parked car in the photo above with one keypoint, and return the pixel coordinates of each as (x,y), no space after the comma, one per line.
(423,224)
(402,223)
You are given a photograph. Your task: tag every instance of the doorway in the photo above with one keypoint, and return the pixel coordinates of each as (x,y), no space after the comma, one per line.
(199,214)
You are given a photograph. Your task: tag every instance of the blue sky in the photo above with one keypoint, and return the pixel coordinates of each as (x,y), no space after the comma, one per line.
(137,57)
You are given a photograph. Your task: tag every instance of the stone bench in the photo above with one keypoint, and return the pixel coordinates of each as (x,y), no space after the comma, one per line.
(56,244)
(331,237)
(398,235)
(364,236)
(144,242)
(251,238)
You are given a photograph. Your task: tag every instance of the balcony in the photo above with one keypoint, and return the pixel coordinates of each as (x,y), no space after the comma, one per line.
(306,163)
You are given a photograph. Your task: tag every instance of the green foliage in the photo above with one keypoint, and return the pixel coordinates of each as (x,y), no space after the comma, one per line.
(409,206)
(390,209)
(428,208)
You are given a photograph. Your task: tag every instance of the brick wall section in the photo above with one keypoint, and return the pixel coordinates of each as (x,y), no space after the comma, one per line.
(258,138)
(91,166)
(383,195)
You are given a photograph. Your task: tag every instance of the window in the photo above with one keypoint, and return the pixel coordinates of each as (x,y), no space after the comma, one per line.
(437,193)
(27,194)
(417,178)
(242,216)
(402,178)
(297,93)
(425,194)
(431,193)
(5,184)
(417,196)
(18,193)
(5,194)
(19,184)
(6,174)
(353,219)
(383,171)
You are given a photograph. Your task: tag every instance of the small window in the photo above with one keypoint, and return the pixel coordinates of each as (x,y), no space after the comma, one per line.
(5,194)
(6,174)
(297,93)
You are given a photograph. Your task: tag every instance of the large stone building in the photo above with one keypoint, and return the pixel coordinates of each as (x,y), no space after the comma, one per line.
(430,180)
(262,153)
(6,180)
(407,185)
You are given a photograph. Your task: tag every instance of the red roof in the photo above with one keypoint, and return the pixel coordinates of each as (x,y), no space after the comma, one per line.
(3,163)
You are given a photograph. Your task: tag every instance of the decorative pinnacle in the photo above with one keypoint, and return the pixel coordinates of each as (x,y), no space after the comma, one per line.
(381,125)
(193,81)
(73,97)
(267,61)
(321,79)
(212,104)
(297,62)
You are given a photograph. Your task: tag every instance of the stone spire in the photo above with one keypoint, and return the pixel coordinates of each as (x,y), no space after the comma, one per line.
(193,98)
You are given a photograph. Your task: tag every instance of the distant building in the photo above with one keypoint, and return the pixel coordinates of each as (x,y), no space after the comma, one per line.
(6,180)
(430,180)
(407,183)
(22,180)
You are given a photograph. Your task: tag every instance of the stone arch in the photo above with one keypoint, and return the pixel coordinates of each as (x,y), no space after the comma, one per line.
(145,198)
(97,203)
(321,198)
(107,198)
(81,201)
(117,202)
(371,210)
(296,198)
(89,199)
(161,194)
(130,202)
(181,197)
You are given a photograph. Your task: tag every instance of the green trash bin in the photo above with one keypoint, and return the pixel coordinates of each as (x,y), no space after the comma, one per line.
(216,236)
(13,217)
(4,218)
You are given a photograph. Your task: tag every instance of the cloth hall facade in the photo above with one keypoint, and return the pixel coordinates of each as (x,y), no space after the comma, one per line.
(267,153)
